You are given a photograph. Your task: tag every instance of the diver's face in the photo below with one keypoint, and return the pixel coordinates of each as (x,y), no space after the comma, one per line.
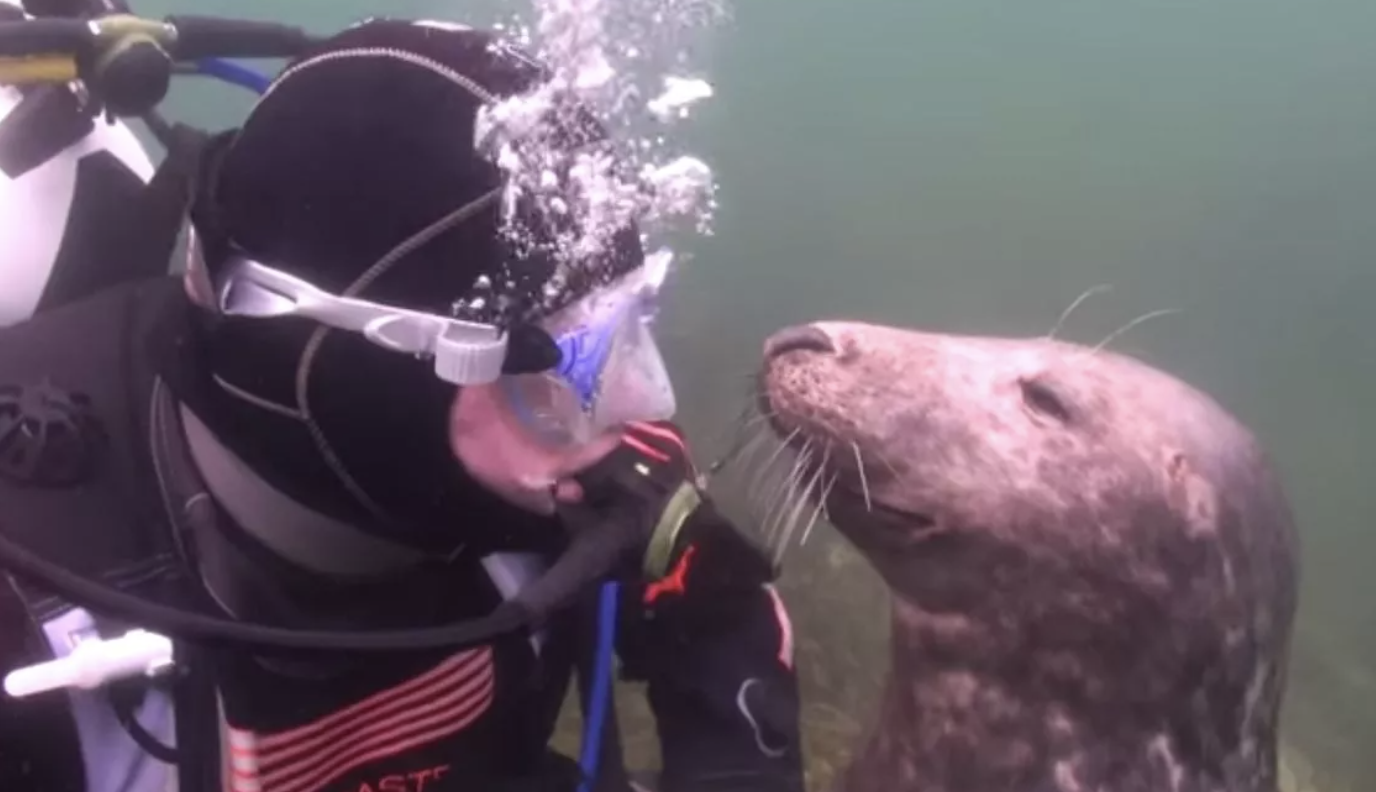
(502,455)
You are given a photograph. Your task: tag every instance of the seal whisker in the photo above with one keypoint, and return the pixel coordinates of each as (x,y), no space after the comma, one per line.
(1139,320)
(769,496)
(769,447)
(864,483)
(757,476)
(819,511)
(755,421)
(745,437)
(794,495)
(1085,295)
(783,446)
(782,506)
(747,407)
(747,417)
(758,479)
(779,534)
(800,507)
(760,438)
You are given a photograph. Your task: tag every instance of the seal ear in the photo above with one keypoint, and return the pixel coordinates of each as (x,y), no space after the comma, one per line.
(1191,495)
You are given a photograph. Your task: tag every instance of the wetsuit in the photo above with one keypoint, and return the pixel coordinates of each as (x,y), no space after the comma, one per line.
(112,494)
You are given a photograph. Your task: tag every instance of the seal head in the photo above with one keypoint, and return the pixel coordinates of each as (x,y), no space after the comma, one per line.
(1093,566)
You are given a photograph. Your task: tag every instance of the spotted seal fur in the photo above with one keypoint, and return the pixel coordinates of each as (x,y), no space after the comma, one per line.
(1093,565)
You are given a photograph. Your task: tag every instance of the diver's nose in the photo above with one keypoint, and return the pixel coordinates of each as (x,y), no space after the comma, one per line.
(800,338)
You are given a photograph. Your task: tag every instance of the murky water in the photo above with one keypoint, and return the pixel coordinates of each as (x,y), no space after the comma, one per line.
(973,166)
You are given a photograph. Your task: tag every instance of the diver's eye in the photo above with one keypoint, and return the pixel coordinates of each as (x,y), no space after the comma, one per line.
(1040,397)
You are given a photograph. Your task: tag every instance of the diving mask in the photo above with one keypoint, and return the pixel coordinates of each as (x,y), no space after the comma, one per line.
(609,371)
(610,374)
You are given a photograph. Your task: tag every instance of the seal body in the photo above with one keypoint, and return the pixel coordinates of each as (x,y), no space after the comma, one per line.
(1093,566)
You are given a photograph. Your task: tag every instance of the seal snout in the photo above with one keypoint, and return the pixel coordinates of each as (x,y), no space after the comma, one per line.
(800,338)
(793,388)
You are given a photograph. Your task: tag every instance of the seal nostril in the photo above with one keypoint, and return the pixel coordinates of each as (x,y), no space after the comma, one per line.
(805,338)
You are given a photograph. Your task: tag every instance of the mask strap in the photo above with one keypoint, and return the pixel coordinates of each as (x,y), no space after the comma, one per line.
(307,360)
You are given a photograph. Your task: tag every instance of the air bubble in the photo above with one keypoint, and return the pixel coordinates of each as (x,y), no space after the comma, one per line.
(590,47)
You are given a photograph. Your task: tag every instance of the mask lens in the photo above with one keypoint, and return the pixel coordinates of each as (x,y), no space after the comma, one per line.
(610,374)
(547,407)
(634,383)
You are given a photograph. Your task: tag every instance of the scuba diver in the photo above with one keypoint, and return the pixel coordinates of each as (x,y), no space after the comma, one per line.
(360,419)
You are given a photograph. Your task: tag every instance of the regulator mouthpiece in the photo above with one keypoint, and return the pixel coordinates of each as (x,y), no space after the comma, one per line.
(652,524)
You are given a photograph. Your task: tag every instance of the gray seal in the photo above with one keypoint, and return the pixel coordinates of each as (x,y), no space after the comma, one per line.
(1093,566)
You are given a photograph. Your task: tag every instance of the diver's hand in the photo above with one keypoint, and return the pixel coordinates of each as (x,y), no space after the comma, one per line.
(645,494)
(625,495)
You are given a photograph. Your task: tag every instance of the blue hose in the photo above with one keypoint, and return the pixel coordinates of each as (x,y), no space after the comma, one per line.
(600,697)
(233,73)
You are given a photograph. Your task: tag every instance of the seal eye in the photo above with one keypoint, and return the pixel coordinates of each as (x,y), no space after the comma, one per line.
(1041,398)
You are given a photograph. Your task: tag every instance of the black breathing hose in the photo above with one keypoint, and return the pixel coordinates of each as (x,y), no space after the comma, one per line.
(186,38)
(74,8)
(210,37)
(21,39)
(96,596)
(597,545)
